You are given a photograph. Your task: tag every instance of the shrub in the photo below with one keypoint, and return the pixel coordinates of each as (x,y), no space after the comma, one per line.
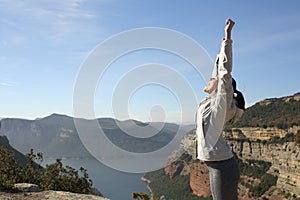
(10,170)
(267,180)
(32,171)
(54,177)
(257,169)
(58,177)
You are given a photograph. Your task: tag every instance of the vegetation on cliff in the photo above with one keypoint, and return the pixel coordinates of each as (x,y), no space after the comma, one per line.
(176,188)
(257,169)
(143,196)
(290,137)
(276,112)
(54,177)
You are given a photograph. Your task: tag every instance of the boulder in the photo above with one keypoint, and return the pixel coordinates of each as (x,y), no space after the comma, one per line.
(26,187)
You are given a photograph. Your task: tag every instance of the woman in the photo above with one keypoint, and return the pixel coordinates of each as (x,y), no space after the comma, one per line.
(224,104)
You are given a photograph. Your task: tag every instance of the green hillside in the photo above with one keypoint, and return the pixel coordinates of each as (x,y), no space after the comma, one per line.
(275,112)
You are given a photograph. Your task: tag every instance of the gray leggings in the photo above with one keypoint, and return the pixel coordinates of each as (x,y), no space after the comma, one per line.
(224,178)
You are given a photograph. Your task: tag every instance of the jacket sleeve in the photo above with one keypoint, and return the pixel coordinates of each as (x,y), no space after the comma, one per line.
(225,78)
(225,65)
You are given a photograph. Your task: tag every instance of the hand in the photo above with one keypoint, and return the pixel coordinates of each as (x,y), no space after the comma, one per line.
(229,25)
(228,28)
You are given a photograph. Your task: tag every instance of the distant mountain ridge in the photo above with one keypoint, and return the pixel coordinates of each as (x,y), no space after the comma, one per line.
(56,135)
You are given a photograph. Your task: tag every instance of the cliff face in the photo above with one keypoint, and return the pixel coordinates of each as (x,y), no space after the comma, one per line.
(258,133)
(252,144)
(285,160)
(199,180)
(174,170)
(284,157)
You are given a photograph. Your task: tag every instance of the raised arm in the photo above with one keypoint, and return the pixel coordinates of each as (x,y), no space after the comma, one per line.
(225,56)
(223,66)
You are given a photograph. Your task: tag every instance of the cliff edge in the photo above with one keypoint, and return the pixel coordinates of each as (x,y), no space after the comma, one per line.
(49,195)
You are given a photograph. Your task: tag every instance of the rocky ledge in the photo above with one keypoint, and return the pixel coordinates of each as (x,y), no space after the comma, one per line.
(27,191)
(49,195)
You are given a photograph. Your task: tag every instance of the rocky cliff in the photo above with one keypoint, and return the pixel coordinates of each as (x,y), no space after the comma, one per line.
(258,133)
(199,180)
(284,157)
(271,145)
(285,161)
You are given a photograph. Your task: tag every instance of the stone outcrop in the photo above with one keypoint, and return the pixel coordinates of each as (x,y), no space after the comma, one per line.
(258,133)
(199,176)
(187,145)
(49,195)
(26,187)
(174,170)
(199,180)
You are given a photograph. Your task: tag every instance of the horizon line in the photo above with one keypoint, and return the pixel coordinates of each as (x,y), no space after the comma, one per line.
(98,117)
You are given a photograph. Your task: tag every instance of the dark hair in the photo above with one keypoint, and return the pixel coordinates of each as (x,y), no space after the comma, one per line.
(238,96)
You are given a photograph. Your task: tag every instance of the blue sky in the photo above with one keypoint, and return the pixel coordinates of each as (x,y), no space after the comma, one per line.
(44,43)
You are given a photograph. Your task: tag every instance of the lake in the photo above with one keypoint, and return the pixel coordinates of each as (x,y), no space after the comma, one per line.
(113,184)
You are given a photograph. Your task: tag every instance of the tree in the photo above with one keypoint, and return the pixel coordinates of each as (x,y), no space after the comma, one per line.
(54,177)
(10,170)
(142,196)
(58,177)
(33,170)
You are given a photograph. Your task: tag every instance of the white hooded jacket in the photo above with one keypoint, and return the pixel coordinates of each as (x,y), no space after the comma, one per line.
(217,109)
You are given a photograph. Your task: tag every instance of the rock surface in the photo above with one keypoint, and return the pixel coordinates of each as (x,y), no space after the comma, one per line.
(258,133)
(285,160)
(199,180)
(49,195)
(173,170)
(26,187)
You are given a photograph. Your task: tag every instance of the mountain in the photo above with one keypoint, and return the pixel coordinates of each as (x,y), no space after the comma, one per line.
(274,112)
(52,135)
(57,136)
